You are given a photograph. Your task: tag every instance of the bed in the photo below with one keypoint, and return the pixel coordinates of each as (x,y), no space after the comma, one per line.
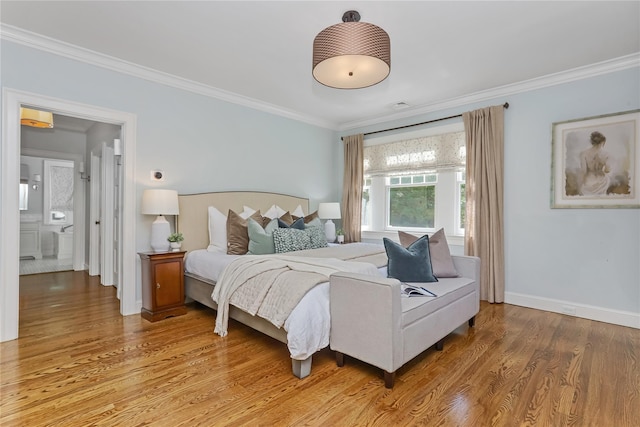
(307,327)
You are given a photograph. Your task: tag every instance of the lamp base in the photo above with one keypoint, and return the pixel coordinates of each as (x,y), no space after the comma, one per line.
(160,230)
(330,231)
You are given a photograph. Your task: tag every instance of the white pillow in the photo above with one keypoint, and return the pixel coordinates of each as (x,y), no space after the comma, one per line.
(298,212)
(217,231)
(274,211)
(218,228)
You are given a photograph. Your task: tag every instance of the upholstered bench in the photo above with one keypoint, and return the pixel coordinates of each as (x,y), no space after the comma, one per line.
(371,320)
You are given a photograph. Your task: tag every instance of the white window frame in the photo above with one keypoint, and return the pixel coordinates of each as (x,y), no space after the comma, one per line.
(388,186)
(447,212)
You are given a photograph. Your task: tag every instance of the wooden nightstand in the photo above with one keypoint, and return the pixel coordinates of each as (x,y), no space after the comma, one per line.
(162,285)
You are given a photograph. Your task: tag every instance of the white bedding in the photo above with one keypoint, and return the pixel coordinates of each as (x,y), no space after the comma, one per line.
(309,323)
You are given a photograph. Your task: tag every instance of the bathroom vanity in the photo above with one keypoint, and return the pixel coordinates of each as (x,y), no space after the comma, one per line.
(30,240)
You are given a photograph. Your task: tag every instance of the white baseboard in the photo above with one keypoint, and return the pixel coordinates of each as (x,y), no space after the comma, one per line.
(601,314)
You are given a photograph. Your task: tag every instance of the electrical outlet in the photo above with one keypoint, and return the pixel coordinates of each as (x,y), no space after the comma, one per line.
(157,175)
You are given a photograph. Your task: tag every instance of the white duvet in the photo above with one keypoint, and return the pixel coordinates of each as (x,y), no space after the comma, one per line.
(309,323)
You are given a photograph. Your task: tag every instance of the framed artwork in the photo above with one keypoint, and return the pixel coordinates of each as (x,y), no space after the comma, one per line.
(595,162)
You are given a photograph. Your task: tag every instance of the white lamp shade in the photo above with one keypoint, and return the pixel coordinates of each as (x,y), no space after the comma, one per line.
(329,211)
(160,202)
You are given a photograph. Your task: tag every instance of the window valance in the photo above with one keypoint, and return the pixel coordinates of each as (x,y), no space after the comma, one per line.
(431,153)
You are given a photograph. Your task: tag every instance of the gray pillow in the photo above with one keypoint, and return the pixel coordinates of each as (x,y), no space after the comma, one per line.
(261,239)
(412,264)
(298,224)
(441,260)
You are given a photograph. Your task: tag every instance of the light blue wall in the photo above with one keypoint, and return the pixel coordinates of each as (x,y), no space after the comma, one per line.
(202,144)
(583,256)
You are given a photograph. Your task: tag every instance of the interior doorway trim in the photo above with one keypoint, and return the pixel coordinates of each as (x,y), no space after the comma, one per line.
(9,214)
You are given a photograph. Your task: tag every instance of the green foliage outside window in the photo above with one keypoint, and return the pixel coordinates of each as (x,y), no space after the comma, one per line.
(412,206)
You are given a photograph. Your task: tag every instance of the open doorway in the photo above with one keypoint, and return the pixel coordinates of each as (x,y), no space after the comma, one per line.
(9,192)
(53,217)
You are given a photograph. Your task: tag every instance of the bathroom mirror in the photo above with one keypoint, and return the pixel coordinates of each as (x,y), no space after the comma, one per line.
(58,192)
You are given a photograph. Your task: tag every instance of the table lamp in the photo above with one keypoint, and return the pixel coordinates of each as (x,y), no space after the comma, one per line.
(160,202)
(329,211)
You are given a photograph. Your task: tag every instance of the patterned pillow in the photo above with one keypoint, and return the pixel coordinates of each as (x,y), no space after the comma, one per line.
(317,237)
(290,239)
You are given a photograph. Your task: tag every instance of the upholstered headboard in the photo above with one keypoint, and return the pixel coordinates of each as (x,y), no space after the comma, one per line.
(193,221)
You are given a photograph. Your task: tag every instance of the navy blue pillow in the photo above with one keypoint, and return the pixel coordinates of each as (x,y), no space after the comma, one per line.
(412,264)
(298,224)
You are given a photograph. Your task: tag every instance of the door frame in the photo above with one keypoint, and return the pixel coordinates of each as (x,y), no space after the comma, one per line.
(9,215)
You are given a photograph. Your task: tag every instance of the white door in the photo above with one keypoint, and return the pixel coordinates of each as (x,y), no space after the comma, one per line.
(117,228)
(107,218)
(94,212)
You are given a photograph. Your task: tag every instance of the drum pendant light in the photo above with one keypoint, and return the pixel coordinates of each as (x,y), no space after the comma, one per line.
(36,118)
(351,55)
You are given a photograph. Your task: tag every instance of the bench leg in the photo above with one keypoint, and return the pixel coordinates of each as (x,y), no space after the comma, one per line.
(301,368)
(439,345)
(339,359)
(472,322)
(389,379)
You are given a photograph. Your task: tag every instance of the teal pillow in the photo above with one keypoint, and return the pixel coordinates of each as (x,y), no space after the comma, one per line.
(411,264)
(261,239)
(315,222)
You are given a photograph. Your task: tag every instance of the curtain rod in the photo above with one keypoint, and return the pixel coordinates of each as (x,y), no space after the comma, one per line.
(505,105)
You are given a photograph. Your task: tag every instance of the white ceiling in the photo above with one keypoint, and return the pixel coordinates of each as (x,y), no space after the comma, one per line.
(259,53)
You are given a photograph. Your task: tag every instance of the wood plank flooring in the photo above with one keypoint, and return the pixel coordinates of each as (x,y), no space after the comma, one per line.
(79,363)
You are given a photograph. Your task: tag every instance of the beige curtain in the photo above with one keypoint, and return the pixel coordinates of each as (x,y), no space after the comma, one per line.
(484,237)
(352,187)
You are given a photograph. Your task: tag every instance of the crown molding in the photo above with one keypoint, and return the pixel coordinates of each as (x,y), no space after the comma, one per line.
(604,67)
(68,50)
(47,44)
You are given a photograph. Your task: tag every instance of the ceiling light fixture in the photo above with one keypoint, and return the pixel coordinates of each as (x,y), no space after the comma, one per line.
(36,118)
(351,55)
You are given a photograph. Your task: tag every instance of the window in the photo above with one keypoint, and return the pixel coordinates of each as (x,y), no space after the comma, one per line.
(415,182)
(412,201)
(461,202)
(366,204)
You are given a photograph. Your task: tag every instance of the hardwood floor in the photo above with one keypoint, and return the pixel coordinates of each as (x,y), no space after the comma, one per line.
(79,363)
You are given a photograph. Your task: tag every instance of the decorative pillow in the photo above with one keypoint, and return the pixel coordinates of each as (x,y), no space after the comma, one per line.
(286,218)
(274,211)
(297,224)
(411,264)
(217,231)
(316,236)
(298,211)
(439,249)
(315,222)
(308,218)
(261,239)
(293,239)
(218,228)
(237,233)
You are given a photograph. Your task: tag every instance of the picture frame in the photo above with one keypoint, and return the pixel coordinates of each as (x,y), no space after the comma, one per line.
(595,162)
